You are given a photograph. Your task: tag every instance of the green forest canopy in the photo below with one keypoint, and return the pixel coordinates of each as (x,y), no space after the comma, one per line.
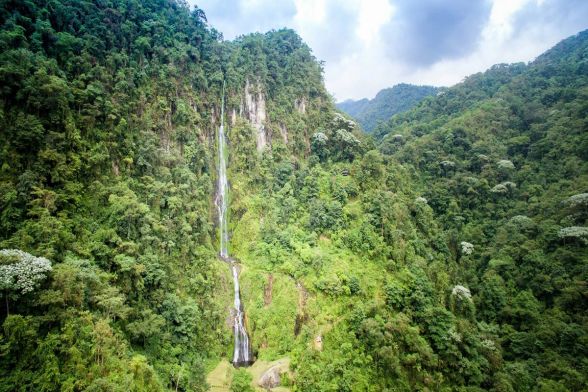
(446,253)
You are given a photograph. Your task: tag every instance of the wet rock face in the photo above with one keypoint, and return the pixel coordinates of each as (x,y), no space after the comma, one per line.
(254,111)
(270,379)
(300,105)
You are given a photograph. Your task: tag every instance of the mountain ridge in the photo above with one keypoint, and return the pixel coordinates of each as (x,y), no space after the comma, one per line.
(444,251)
(386,103)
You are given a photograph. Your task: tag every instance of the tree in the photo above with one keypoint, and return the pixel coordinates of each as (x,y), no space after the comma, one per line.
(21,273)
(319,145)
(371,170)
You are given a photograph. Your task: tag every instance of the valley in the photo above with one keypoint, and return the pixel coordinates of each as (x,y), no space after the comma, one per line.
(191,213)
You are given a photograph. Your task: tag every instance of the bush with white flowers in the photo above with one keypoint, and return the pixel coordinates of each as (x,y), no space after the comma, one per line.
(461,292)
(21,272)
(505,164)
(574,232)
(466,248)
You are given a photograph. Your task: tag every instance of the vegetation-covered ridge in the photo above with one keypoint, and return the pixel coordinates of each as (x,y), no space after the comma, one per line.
(108,111)
(446,253)
(451,257)
(388,102)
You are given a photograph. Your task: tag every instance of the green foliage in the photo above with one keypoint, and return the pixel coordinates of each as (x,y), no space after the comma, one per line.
(449,258)
(492,156)
(241,381)
(386,103)
(447,253)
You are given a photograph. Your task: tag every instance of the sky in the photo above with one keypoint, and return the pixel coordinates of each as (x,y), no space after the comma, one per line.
(368,45)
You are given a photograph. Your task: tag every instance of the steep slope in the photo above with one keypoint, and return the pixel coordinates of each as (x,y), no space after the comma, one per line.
(388,102)
(106,172)
(354,108)
(108,115)
(447,254)
(453,258)
(501,160)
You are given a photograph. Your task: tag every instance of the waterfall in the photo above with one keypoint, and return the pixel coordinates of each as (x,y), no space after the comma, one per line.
(242,350)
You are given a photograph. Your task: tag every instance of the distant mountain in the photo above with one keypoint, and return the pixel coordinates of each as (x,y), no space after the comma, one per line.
(387,103)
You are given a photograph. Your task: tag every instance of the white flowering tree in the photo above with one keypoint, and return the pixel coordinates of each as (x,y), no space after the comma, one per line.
(505,164)
(461,292)
(340,122)
(505,168)
(21,273)
(421,200)
(346,145)
(447,164)
(521,224)
(461,301)
(574,233)
(504,188)
(579,200)
(319,145)
(577,205)
(466,248)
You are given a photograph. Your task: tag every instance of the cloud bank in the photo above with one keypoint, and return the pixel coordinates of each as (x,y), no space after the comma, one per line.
(373,44)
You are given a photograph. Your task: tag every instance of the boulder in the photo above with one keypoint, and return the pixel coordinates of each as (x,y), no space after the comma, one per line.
(270,379)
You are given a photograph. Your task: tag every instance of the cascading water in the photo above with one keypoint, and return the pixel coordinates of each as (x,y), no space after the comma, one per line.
(242,351)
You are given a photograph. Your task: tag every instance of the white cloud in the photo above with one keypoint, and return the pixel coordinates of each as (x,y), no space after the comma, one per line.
(373,14)
(310,12)
(364,73)
(500,23)
(364,54)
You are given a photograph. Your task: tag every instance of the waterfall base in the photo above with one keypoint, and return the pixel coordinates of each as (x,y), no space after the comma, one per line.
(242,356)
(240,364)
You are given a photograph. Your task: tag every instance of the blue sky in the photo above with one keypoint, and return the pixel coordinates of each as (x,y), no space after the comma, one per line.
(368,45)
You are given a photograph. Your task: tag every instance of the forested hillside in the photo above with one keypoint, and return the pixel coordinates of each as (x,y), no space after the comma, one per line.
(447,252)
(501,161)
(388,102)
(107,168)
(450,253)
